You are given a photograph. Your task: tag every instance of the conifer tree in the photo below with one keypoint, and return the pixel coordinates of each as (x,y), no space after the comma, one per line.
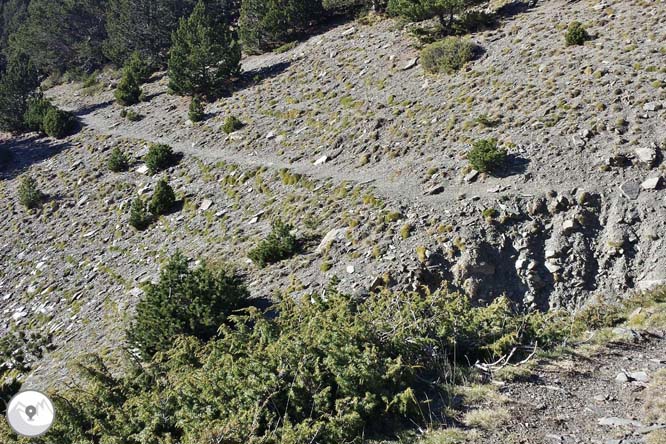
(204,55)
(18,85)
(444,10)
(267,24)
(128,90)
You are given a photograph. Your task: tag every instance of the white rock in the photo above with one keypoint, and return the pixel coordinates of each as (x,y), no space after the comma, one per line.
(332,236)
(347,32)
(322,160)
(206,204)
(646,155)
(350,269)
(471,176)
(652,183)
(143,169)
(410,64)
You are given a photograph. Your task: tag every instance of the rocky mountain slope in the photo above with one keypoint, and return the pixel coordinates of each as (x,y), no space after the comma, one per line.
(347,138)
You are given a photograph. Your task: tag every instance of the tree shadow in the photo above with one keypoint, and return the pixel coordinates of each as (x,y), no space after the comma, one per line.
(513,9)
(85,110)
(255,76)
(25,152)
(514,165)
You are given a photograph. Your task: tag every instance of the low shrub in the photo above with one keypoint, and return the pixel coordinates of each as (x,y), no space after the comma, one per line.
(163,198)
(328,369)
(185,302)
(29,194)
(279,244)
(58,123)
(447,55)
(118,161)
(159,157)
(139,67)
(231,124)
(197,112)
(139,216)
(130,115)
(486,157)
(128,91)
(576,34)
(36,112)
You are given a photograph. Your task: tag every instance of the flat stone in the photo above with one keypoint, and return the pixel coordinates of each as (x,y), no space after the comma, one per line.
(631,189)
(437,189)
(332,236)
(206,204)
(322,160)
(471,176)
(652,106)
(613,421)
(648,156)
(622,377)
(569,225)
(347,32)
(410,64)
(653,183)
(143,169)
(639,376)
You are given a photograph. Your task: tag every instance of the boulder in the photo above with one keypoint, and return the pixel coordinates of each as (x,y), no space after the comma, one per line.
(647,156)
(331,237)
(653,183)
(631,189)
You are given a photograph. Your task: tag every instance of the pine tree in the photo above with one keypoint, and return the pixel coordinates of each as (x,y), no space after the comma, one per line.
(18,85)
(444,10)
(128,90)
(163,198)
(204,55)
(267,24)
(141,25)
(139,217)
(197,112)
(61,35)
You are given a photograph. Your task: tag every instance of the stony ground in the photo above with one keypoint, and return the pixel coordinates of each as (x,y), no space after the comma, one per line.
(346,138)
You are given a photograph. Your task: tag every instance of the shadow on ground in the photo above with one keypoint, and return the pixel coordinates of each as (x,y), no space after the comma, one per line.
(18,154)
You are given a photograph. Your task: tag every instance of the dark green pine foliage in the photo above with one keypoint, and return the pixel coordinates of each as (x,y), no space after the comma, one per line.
(197,112)
(163,198)
(12,15)
(18,85)
(184,302)
(128,90)
(62,35)
(267,24)
(204,55)
(443,10)
(141,25)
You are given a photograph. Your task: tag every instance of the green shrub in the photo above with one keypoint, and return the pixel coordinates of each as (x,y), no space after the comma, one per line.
(340,368)
(159,157)
(486,157)
(280,244)
(197,112)
(128,91)
(204,55)
(58,123)
(139,67)
(118,161)
(163,198)
(130,115)
(185,302)
(139,216)
(576,34)
(447,56)
(38,107)
(28,193)
(231,124)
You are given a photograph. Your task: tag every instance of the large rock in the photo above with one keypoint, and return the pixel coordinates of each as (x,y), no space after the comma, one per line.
(652,183)
(631,189)
(647,156)
(331,237)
